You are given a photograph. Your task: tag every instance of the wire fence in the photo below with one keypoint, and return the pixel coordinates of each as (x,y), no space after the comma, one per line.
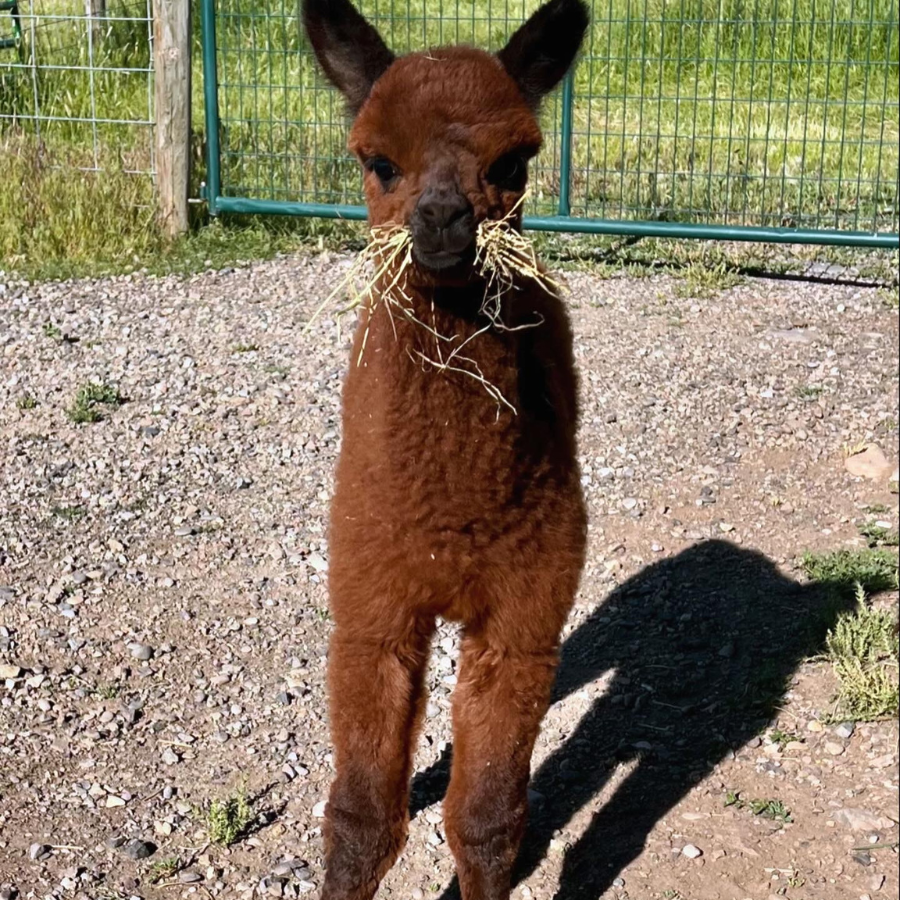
(76,84)
(748,113)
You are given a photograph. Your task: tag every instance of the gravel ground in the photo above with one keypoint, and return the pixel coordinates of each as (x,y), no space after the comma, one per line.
(164,624)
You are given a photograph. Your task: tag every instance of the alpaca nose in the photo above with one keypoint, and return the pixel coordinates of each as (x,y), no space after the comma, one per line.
(440,209)
(443,222)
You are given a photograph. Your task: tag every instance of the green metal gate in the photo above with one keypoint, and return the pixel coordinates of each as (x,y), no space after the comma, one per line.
(768,120)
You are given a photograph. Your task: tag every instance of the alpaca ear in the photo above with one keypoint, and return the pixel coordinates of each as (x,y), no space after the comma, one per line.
(348,48)
(540,53)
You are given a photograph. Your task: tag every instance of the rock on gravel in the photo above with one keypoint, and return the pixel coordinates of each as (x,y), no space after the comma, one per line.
(857,819)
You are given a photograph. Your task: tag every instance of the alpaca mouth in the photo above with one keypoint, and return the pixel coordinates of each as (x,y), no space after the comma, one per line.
(445,262)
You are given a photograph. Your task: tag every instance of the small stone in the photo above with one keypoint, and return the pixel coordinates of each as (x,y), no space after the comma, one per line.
(871,464)
(38,851)
(114,842)
(189,877)
(142,652)
(8,892)
(418,894)
(845,730)
(726,527)
(619,882)
(114,802)
(319,810)
(815,726)
(857,819)
(317,562)
(882,762)
(727,651)
(170,757)
(832,748)
(691,852)
(137,849)
(875,883)
(9,672)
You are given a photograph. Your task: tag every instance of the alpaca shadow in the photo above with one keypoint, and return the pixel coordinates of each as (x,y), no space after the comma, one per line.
(699,650)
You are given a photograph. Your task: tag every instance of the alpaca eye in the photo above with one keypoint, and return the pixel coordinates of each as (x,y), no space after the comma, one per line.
(383,168)
(509,172)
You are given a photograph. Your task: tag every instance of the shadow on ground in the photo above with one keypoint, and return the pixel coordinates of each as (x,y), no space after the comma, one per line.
(700,648)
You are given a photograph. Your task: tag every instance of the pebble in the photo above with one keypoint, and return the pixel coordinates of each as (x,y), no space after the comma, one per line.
(8,672)
(38,851)
(857,819)
(844,730)
(319,809)
(691,852)
(875,883)
(815,726)
(141,652)
(189,877)
(418,894)
(170,757)
(137,849)
(833,748)
(9,892)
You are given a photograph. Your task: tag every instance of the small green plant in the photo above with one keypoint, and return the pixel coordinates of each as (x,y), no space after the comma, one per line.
(771,809)
(783,738)
(878,535)
(842,570)
(26,402)
(245,348)
(227,820)
(864,650)
(767,809)
(876,509)
(890,297)
(69,513)
(109,691)
(89,400)
(54,332)
(809,392)
(165,869)
(703,281)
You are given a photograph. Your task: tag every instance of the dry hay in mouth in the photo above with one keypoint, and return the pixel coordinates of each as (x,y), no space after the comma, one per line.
(379,276)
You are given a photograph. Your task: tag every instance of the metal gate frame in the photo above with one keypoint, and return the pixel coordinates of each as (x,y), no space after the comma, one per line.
(563,221)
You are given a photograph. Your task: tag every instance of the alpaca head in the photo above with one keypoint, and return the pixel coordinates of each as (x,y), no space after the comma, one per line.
(444,136)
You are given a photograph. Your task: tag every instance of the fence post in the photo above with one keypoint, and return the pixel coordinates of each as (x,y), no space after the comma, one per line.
(565,145)
(95,10)
(172,76)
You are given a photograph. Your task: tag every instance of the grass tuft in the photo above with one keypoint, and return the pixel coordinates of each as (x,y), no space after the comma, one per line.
(88,403)
(878,535)
(765,808)
(864,649)
(26,402)
(227,820)
(874,569)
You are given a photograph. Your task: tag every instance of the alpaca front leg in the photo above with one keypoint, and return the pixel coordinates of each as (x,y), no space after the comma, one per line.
(500,700)
(376,689)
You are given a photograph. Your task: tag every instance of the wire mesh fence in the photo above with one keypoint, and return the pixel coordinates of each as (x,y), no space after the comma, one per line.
(754,113)
(76,85)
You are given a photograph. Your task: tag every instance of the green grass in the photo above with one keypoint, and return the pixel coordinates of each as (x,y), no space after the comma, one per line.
(862,646)
(783,738)
(703,281)
(864,651)
(879,535)
(90,400)
(69,513)
(26,402)
(842,570)
(764,808)
(650,141)
(164,869)
(227,820)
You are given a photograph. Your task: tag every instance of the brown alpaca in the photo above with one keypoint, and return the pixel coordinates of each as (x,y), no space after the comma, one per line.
(446,503)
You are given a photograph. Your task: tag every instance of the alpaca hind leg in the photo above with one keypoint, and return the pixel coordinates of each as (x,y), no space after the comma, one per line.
(377,690)
(502,695)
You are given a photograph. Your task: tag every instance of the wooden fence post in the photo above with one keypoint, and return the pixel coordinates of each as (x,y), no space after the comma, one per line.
(95,10)
(172,76)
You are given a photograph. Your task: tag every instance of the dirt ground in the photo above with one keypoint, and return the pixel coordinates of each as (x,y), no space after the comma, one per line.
(164,624)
